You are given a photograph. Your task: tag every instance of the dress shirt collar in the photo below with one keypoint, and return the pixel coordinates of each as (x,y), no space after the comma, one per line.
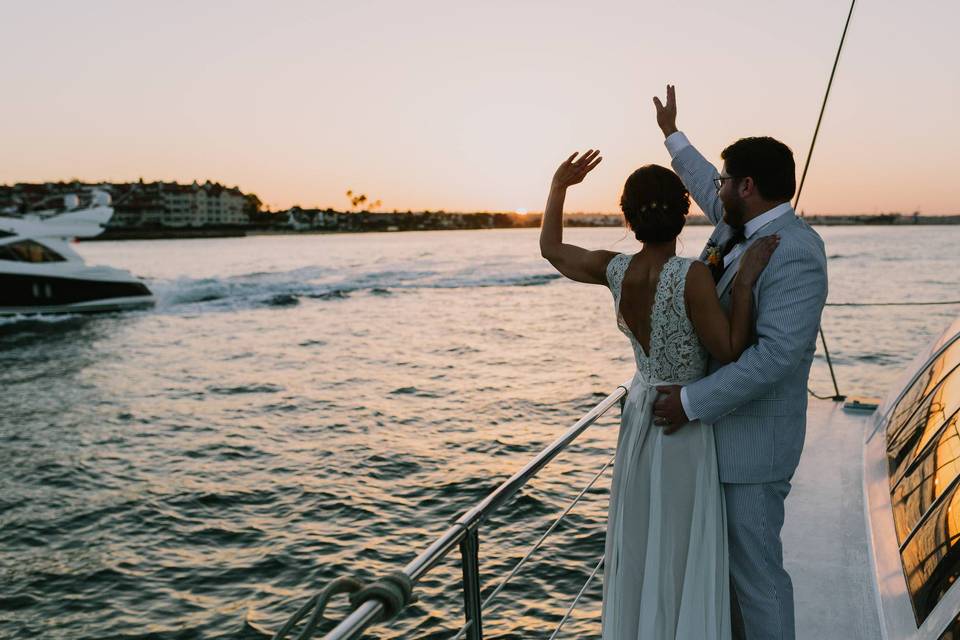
(761,220)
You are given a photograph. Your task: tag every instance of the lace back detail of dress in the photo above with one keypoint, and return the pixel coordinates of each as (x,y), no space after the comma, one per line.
(676,354)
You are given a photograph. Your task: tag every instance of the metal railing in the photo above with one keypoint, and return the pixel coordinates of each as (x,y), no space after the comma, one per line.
(465,534)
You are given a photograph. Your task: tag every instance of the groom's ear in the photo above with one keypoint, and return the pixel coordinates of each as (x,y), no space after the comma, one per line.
(747,187)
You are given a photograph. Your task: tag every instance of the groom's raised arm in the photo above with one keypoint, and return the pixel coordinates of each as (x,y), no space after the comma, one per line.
(695,171)
(697,174)
(791,294)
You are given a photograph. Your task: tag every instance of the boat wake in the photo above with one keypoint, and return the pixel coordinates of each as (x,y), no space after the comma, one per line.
(291,288)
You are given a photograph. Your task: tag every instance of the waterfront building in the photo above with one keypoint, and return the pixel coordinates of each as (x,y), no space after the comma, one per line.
(148,204)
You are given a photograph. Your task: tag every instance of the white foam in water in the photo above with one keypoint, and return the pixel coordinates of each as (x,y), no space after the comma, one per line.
(280,288)
(53,318)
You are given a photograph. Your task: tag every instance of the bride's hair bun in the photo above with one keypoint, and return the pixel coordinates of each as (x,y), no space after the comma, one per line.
(655,203)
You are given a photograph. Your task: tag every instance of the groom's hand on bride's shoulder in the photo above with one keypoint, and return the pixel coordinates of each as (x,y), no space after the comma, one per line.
(668,409)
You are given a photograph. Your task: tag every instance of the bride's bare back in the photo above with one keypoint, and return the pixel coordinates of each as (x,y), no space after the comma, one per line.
(638,292)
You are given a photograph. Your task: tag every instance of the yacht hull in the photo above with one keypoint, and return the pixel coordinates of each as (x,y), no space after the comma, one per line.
(35,294)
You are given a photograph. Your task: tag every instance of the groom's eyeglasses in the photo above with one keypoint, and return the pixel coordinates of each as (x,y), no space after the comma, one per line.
(718,182)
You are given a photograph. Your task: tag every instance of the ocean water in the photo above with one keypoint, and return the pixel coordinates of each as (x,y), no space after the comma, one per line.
(296,408)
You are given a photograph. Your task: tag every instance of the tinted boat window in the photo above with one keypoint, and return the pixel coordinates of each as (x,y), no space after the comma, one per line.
(943,402)
(29,251)
(927,479)
(931,561)
(923,424)
(931,376)
(7,254)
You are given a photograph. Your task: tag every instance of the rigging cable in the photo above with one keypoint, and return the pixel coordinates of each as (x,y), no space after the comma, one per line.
(806,165)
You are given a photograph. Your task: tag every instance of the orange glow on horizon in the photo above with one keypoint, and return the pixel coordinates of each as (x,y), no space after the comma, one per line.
(471,108)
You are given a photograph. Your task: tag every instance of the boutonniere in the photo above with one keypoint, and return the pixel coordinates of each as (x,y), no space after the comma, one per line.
(713,258)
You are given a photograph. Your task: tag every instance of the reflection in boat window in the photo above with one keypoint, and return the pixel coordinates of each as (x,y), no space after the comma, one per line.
(927,478)
(931,376)
(931,560)
(923,425)
(29,251)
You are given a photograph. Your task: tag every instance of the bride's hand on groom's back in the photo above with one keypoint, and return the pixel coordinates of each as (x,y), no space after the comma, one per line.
(755,259)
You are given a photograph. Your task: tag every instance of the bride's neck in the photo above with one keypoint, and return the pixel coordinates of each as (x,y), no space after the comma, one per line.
(663,249)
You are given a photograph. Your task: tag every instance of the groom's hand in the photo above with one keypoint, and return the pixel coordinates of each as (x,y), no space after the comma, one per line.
(667,115)
(668,410)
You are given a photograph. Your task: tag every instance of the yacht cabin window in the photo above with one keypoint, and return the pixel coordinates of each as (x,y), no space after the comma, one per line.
(923,454)
(904,412)
(29,251)
(931,559)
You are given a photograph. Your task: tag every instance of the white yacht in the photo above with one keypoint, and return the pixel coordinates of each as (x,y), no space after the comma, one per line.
(873,520)
(41,273)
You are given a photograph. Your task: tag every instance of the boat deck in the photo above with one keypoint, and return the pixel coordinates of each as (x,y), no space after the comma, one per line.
(825,532)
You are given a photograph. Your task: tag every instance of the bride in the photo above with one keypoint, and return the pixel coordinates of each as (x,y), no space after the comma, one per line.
(666,573)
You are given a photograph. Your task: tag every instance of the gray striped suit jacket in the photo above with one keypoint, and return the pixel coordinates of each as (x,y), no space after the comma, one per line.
(758,404)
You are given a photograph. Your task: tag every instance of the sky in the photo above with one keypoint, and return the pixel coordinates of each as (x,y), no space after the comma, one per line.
(471,106)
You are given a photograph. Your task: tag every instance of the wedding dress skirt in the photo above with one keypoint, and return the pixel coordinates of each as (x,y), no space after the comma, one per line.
(666,568)
(666,573)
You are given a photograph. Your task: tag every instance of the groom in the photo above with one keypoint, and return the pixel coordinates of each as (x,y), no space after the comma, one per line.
(757,405)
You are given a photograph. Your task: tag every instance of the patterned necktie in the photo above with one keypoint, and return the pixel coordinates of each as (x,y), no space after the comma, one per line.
(737,237)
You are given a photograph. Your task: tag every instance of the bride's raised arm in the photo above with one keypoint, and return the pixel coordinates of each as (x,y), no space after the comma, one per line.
(726,338)
(572,261)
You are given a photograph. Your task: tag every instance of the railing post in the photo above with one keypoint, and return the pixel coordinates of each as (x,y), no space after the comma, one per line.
(470,559)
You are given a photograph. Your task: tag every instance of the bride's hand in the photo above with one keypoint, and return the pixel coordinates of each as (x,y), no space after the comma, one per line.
(572,171)
(755,259)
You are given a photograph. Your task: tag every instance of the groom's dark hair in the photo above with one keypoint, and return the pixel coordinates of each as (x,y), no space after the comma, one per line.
(655,203)
(768,161)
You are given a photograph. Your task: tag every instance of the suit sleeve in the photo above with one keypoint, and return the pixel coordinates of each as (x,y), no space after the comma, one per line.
(697,174)
(790,294)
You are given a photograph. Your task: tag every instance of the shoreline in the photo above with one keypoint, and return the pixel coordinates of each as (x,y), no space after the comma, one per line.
(241,232)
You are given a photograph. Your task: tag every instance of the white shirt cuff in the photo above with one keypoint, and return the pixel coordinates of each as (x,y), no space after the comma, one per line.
(676,142)
(683,397)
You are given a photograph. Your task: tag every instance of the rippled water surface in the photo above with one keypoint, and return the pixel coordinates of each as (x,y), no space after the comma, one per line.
(301,407)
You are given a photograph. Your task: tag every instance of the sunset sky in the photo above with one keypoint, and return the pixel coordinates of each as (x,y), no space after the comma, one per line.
(469,106)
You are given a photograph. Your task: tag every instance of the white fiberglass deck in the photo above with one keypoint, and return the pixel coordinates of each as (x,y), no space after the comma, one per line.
(825,532)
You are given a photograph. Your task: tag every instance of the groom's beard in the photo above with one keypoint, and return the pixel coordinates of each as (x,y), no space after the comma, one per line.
(734,211)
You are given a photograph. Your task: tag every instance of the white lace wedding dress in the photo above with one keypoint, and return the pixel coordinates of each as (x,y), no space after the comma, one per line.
(666,573)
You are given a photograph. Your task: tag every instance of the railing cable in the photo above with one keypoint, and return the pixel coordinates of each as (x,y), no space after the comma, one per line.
(573,605)
(539,542)
(466,525)
(536,545)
